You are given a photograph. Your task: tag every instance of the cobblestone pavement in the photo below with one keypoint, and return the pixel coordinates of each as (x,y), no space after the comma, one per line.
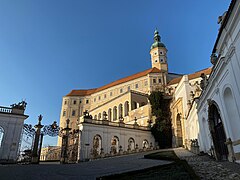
(207,168)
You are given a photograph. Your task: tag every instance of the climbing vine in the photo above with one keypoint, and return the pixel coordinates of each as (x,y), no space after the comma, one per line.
(162,127)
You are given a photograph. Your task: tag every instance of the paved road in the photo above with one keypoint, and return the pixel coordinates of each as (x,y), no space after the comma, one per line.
(81,171)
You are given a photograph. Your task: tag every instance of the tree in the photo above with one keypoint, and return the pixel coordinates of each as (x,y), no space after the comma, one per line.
(162,128)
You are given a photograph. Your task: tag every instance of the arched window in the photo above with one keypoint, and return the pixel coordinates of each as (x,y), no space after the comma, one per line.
(110,114)
(115,113)
(126,108)
(95,117)
(120,110)
(1,135)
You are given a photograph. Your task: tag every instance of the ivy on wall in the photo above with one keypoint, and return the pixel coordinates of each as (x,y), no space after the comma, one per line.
(162,128)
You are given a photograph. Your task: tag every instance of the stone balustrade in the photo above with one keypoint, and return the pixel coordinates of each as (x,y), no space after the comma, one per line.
(110,123)
(5,109)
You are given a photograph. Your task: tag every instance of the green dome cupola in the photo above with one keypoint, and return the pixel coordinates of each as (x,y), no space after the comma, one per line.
(157,40)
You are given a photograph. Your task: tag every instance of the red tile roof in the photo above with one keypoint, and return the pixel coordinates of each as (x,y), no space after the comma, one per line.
(191,76)
(120,81)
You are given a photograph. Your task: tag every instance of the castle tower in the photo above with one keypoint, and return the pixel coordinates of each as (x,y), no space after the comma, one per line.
(159,53)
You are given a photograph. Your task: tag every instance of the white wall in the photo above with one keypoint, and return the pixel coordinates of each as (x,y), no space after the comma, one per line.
(12,125)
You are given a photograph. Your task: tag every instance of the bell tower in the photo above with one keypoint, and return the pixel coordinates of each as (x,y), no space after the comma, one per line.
(159,53)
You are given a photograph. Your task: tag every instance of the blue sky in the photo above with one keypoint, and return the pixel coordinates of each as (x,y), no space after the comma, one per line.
(48,48)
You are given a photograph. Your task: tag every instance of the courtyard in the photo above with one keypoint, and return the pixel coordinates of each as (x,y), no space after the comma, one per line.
(204,167)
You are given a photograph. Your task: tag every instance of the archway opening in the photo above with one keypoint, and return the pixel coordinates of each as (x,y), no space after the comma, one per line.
(218,133)
(179,138)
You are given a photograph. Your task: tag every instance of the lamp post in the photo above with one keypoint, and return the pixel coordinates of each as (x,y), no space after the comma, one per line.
(64,155)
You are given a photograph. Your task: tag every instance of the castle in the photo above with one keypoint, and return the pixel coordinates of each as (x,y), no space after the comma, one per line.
(116,117)
(126,100)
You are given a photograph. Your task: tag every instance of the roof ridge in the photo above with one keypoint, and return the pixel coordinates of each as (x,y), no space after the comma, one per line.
(84,92)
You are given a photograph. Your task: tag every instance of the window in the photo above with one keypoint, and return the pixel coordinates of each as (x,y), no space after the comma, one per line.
(155,53)
(161,53)
(136,86)
(94,99)
(99,97)
(80,101)
(87,101)
(161,60)
(65,102)
(105,96)
(129,88)
(73,113)
(121,90)
(64,113)
(110,93)
(154,81)
(156,60)
(74,102)
(159,81)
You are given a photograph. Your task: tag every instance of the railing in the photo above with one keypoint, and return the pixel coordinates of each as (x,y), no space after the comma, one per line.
(5,109)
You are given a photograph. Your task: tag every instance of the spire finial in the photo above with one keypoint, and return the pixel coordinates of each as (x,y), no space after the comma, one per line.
(156,38)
